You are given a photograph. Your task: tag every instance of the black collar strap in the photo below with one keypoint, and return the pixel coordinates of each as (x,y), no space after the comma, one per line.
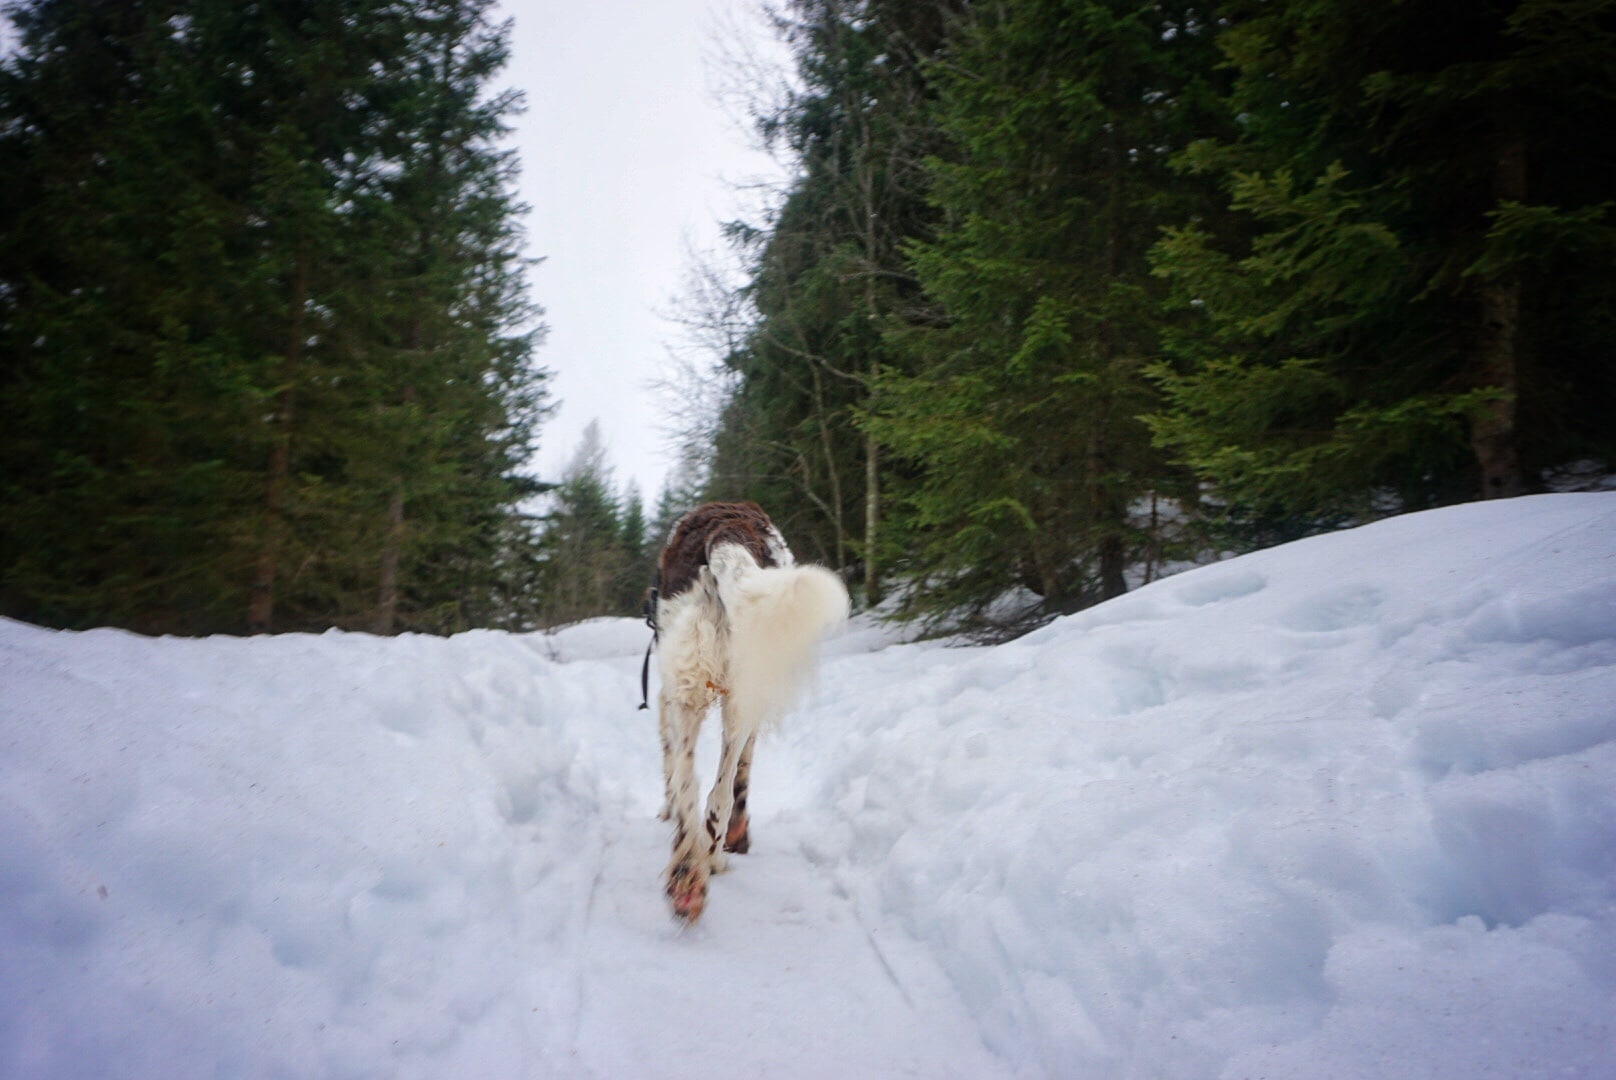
(649,610)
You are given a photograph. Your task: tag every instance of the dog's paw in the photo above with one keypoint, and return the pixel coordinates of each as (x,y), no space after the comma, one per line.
(687,892)
(738,838)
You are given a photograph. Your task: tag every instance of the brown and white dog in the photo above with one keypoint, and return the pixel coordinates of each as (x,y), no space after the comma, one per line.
(738,623)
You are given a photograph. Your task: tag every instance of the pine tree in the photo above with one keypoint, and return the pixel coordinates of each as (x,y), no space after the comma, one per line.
(828,270)
(263,331)
(1408,294)
(584,561)
(633,542)
(1020,416)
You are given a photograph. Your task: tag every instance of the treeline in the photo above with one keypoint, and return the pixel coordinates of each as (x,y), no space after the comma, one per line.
(265,341)
(1066,289)
(598,550)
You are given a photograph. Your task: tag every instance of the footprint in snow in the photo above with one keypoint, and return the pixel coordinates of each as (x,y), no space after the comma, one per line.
(1215,587)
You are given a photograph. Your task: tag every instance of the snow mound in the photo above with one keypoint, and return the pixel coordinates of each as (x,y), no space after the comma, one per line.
(594,639)
(1343,808)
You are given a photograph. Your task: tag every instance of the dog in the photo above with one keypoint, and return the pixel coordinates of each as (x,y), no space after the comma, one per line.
(738,622)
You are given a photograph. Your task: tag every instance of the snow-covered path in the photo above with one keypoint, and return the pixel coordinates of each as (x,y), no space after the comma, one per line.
(1339,809)
(790,982)
(342,856)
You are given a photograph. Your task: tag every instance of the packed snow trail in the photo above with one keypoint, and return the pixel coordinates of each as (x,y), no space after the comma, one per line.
(1338,809)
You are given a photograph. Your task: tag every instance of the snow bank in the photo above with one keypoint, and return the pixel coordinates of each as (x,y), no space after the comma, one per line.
(1342,808)
(593,639)
(284,856)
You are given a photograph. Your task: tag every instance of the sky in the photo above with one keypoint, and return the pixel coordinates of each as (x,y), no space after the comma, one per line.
(628,161)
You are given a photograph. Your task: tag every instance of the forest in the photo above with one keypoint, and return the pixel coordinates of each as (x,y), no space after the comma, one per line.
(1060,295)
(1067,291)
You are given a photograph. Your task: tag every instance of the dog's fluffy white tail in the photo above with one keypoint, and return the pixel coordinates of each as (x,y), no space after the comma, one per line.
(776,618)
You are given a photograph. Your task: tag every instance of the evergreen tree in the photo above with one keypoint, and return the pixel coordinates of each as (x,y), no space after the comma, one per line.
(584,562)
(441,391)
(137,338)
(828,270)
(1288,262)
(1020,414)
(215,411)
(633,576)
(1405,308)
(674,501)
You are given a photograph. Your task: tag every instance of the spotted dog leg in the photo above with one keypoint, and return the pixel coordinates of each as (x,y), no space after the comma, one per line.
(737,837)
(721,801)
(665,729)
(689,866)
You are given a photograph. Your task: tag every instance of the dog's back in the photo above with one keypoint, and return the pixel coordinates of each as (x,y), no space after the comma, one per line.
(694,536)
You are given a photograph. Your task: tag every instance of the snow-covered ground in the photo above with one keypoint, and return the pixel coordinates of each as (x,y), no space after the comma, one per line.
(1346,808)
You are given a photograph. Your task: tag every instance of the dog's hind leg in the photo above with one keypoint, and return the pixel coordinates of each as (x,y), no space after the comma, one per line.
(689,867)
(737,837)
(737,746)
(665,728)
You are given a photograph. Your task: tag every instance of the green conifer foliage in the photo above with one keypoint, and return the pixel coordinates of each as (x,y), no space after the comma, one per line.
(828,271)
(588,562)
(1407,293)
(1021,411)
(264,341)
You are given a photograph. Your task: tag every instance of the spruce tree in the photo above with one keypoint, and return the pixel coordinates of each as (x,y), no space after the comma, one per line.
(584,563)
(263,334)
(1405,310)
(635,547)
(827,271)
(134,334)
(1020,416)
(441,388)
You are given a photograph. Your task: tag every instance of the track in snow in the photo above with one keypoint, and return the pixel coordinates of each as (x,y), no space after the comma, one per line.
(779,978)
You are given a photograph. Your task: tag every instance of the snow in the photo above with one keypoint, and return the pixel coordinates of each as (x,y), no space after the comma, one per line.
(1343,808)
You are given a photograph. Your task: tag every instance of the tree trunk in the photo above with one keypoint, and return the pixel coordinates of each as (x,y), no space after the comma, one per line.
(1153,550)
(872,451)
(1493,437)
(1492,431)
(387,586)
(387,591)
(261,605)
(833,478)
(1109,515)
(872,509)
(1113,561)
(1110,509)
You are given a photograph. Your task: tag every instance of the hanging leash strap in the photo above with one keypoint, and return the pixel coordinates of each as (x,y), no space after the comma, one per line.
(648,608)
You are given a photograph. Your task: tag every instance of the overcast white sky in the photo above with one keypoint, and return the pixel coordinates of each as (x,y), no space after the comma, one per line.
(627,157)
